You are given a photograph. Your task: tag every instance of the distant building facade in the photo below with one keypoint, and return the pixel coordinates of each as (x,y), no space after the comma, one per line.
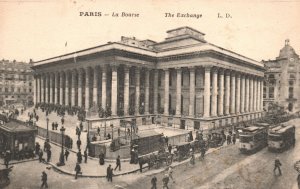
(183,78)
(282,80)
(16,83)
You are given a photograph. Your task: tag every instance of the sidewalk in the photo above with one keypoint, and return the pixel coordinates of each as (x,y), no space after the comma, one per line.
(90,169)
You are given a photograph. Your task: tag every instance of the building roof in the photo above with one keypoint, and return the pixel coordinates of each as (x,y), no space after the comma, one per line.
(169,47)
(147,133)
(281,129)
(14,126)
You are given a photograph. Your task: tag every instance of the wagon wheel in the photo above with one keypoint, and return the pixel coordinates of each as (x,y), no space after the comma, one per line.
(297,166)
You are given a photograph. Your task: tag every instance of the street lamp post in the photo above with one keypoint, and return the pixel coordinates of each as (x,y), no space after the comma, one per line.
(61,158)
(47,138)
(112,131)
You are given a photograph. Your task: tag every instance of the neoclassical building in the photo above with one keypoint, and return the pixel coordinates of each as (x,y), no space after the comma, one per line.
(183,78)
(282,79)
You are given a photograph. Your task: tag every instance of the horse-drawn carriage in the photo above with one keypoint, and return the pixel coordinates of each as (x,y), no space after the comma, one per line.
(155,160)
(217,139)
(4,176)
(182,151)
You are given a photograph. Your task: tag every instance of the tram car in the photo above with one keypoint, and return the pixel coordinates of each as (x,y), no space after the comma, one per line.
(281,138)
(252,139)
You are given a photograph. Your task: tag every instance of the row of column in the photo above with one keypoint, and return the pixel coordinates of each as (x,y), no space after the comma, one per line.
(225,92)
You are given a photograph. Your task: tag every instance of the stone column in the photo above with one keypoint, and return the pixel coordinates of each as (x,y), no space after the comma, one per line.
(232,93)
(247,100)
(67,88)
(47,89)
(43,89)
(251,94)
(80,83)
(155,91)
(243,94)
(221,93)
(166,99)
(56,94)
(214,95)
(192,92)
(178,91)
(254,93)
(114,91)
(39,88)
(104,80)
(73,97)
(238,94)
(61,91)
(51,88)
(227,92)
(137,90)
(95,86)
(261,94)
(147,74)
(35,87)
(87,88)
(207,92)
(126,90)
(258,94)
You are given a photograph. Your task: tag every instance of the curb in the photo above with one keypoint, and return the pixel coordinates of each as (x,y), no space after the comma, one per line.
(186,161)
(23,161)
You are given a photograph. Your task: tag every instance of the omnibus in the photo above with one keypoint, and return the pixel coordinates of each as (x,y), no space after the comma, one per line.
(281,137)
(252,138)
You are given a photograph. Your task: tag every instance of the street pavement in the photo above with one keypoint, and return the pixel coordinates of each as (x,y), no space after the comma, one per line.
(228,168)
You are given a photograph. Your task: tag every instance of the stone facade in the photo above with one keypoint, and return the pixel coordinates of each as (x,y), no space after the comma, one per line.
(16,83)
(282,80)
(183,77)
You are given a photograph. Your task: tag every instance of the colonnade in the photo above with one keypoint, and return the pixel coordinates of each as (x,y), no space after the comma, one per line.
(225,92)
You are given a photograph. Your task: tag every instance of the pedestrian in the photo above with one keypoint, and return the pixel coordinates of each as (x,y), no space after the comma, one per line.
(81,126)
(53,125)
(277,166)
(228,139)
(119,132)
(170,173)
(37,148)
(44,180)
(77,170)
(298,180)
(192,160)
(85,156)
(41,155)
(78,143)
(48,155)
(7,158)
(101,158)
(166,140)
(77,130)
(234,138)
(62,120)
(109,173)
(118,163)
(165,181)
(56,125)
(153,182)
(67,154)
(98,130)
(79,156)
(170,148)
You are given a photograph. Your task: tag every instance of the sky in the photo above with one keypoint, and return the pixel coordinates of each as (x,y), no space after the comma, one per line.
(34,29)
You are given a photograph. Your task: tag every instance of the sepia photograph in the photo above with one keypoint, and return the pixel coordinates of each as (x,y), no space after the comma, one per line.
(149,94)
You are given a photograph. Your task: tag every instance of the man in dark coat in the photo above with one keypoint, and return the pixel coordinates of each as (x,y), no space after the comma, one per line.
(77,170)
(53,125)
(78,143)
(170,148)
(79,157)
(109,173)
(48,155)
(41,155)
(85,156)
(101,158)
(67,154)
(277,166)
(118,163)
(44,180)
(153,182)
(37,148)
